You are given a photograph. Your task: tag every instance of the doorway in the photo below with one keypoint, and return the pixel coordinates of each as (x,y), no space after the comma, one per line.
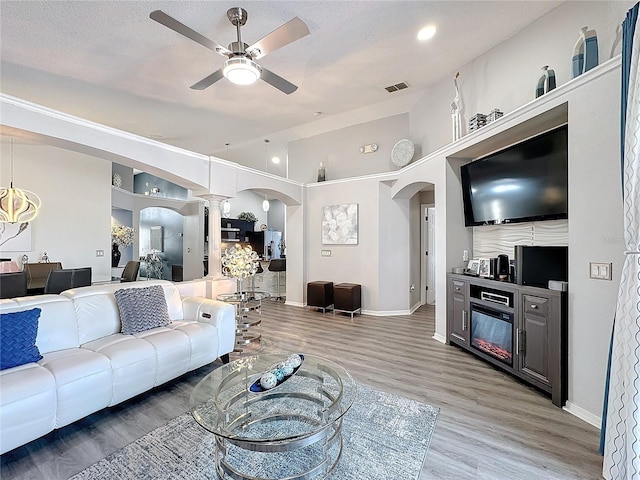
(428,263)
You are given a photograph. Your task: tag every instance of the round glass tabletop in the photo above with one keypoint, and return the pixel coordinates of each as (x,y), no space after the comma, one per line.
(292,414)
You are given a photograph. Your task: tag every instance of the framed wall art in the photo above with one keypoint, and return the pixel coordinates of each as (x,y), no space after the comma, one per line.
(340,224)
(15,237)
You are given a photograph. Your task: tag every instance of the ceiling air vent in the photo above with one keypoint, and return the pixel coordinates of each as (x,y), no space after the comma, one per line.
(396,87)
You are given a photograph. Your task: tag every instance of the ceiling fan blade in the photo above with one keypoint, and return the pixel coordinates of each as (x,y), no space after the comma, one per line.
(208,81)
(170,22)
(291,31)
(277,81)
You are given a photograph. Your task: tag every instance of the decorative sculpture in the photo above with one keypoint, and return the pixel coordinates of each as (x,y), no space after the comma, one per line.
(456,122)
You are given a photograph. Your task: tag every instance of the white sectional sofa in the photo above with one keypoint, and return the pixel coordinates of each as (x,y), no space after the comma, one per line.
(88,364)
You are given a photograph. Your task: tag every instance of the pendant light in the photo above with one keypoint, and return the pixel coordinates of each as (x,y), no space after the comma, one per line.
(265,202)
(17,205)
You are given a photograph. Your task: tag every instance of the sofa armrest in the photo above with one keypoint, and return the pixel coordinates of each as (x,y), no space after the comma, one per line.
(219,314)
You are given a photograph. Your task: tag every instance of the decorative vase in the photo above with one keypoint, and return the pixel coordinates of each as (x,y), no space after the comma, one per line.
(585,52)
(115,255)
(321,173)
(546,82)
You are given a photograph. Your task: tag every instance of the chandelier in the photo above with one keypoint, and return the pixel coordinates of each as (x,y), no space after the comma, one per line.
(17,205)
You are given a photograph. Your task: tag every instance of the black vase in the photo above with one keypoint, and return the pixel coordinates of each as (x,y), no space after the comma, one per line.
(115,255)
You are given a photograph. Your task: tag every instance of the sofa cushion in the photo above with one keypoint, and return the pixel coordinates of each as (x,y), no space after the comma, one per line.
(83,382)
(142,309)
(28,405)
(57,326)
(18,331)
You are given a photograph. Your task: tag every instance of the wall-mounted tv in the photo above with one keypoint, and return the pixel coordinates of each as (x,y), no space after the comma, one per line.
(523,183)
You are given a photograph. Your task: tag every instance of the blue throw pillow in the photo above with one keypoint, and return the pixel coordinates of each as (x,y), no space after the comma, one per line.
(18,332)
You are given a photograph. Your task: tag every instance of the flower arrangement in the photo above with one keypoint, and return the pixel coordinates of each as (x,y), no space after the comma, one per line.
(122,235)
(247,217)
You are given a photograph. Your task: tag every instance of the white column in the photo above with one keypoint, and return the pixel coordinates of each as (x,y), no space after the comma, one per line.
(215,234)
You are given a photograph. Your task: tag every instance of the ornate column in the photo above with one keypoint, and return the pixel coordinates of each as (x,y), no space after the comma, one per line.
(215,243)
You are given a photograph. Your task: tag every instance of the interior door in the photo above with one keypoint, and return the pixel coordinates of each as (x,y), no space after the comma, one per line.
(431,258)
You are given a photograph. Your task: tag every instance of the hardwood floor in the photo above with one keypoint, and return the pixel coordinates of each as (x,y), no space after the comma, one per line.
(490,426)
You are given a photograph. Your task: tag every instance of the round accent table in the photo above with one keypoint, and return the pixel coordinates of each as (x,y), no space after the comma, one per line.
(291,431)
(248,326)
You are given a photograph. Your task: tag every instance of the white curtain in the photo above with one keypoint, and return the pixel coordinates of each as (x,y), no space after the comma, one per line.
(622,436)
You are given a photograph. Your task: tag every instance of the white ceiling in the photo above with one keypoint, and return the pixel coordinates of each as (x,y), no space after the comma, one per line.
(108,62)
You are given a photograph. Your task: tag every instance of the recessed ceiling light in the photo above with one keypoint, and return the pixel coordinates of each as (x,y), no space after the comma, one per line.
(275,160)
(426,33)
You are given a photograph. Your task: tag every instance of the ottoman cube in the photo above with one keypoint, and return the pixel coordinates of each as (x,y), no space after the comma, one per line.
(347,298)
(320,295)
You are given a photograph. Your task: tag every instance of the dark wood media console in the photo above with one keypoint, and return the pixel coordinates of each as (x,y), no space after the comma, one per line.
(520,329)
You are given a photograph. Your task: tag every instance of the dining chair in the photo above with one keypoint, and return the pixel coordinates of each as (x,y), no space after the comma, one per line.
(130,272)
(13,284)
(37,274)
(81,277)
(58,281)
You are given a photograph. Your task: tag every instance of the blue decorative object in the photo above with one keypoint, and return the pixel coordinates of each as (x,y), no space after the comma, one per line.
(18,331)
(585,52)
(265,382)
(546,82)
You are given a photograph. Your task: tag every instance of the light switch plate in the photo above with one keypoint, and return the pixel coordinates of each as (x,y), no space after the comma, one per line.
(325,253)
(99,253)
(600,271)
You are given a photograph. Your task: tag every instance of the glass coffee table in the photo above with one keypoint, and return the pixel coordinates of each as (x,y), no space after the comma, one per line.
(291,431)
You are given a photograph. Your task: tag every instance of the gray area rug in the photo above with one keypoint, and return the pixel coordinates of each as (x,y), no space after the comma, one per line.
(385,436)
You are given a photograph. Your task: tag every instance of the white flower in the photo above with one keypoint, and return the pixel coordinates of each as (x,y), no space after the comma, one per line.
(122,235)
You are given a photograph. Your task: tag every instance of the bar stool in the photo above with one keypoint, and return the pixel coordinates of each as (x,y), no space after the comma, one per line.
(278,265)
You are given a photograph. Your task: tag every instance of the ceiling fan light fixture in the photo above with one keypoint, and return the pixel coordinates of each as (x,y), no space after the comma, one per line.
(241,71)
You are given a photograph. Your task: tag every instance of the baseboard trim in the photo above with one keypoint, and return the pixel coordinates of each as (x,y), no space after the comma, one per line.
(439,338)
(415,307)
(294,304)
(582,414)
(386,313)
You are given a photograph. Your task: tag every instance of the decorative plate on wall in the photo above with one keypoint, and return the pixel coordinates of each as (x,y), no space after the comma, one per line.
(402,152)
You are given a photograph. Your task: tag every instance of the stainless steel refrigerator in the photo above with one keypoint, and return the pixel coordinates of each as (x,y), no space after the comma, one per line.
(266,243)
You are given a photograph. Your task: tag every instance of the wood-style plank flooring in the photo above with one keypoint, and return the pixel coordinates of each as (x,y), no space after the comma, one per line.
(490,426)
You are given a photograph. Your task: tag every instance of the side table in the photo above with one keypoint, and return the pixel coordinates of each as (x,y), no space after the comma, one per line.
(248,328)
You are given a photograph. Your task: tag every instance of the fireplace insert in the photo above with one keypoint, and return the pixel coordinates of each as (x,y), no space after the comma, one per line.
(492,332)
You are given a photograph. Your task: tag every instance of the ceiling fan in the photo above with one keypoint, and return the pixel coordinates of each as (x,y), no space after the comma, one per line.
(240,67)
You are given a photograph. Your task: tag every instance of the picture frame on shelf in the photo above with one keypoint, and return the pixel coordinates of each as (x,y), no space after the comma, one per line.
(484,267)
(473,267)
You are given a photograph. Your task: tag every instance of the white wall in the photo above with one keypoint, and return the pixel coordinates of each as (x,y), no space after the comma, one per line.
(506,76)
(394,253)
(340,150)
(347,263)
(595,234)
(74,220)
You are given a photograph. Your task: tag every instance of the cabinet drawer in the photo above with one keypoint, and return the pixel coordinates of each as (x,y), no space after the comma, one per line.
(458,287)
(536,305)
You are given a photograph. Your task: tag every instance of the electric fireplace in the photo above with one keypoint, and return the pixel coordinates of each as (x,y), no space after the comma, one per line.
(492,332)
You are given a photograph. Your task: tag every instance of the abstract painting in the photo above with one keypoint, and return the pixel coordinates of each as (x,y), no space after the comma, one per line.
(340,224)
(15,237)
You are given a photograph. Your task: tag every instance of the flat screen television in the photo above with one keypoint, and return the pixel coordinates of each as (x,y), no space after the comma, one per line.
(523,183)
